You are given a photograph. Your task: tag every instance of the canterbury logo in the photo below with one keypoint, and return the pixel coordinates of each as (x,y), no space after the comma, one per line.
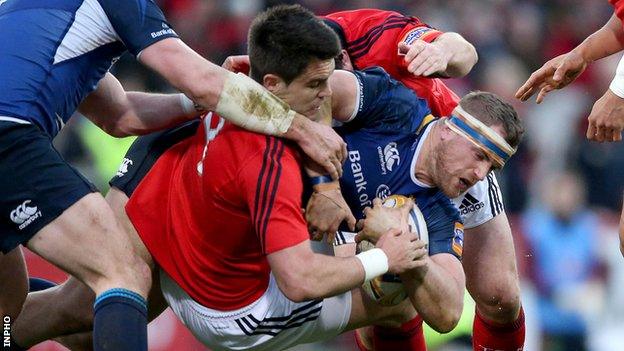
(391,155)
(123,167)
(24,214)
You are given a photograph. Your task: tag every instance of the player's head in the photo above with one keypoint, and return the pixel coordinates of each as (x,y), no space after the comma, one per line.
(291,52)
(480,135)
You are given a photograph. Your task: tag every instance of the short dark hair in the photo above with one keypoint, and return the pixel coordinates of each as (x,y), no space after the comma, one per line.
(284,39)
(492,110)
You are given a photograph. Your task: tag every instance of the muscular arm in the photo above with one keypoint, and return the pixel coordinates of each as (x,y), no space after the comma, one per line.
(304,275)
(437,291)
(121,113)
(242,101)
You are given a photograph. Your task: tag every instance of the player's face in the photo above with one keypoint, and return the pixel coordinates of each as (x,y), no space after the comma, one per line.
(306,93)
(460,164)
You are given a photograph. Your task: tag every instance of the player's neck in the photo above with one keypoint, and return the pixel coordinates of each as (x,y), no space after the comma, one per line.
(425,161)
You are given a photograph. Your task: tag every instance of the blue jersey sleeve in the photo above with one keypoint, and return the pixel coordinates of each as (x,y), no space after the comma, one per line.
(446,231)
(139,23)
(386,104)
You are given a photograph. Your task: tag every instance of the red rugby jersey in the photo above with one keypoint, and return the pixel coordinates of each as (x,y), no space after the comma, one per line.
(211,232)
(371,37)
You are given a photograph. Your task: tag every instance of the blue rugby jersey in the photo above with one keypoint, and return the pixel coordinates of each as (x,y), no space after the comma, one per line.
(383,142)
(53,53)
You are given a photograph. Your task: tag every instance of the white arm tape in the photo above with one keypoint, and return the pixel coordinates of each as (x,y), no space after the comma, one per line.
(249,105)
(375,263)
(188,106)
(617,84)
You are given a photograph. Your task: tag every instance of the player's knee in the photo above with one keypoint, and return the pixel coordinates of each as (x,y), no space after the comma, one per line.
(502,306)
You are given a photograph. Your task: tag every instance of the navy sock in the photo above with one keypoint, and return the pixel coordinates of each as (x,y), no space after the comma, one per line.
(120,321)
(38,284)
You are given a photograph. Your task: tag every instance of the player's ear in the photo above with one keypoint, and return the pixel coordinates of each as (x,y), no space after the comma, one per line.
(445,132)
(346,63)
(273,83)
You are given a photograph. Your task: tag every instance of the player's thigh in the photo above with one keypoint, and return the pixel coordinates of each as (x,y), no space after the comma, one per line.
(14,282)
(87,241)
(56,212)
(117,200)
(489,262)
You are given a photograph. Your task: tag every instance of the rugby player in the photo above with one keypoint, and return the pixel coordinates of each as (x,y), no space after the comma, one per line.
(374,37)
(54,62)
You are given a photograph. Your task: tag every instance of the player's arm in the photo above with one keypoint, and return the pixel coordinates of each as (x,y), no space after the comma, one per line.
(436,286)
(143,29)
(121,113)
(564,69)
(238,99)
(304,275)
(436,290)
(449,55)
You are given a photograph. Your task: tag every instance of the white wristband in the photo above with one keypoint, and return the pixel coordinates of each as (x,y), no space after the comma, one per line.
(617,84)
(375,263)
(249,105)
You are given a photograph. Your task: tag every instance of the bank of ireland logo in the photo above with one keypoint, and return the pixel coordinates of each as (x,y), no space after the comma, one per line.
(383,191)
(391,156)
(23,214)
(123,167)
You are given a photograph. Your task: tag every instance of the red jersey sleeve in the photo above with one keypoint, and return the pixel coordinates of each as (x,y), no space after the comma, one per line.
(371,37)
(271,182)
(619,8)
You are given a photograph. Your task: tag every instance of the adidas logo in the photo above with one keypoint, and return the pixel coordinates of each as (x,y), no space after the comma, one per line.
(470,204)
(24,215)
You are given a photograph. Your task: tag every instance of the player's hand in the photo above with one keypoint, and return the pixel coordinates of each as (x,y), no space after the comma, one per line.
(237,64)
(378,220)
(606,119)
(320,143)
(424,59)
(554,74)
(324,213)
(404,251)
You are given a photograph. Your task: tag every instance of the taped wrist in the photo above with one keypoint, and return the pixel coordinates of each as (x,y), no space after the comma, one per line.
(249,105)
(617,84)
(375,263)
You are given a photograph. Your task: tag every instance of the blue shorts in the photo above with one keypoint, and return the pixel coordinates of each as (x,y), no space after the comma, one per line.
(145,151)
(36,185)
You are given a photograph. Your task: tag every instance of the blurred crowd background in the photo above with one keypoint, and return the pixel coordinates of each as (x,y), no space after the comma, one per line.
(562,193)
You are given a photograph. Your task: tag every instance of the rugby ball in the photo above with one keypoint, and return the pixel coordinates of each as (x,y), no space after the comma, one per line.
(388,289)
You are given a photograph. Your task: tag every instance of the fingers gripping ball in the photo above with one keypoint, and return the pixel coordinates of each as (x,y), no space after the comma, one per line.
(388,289)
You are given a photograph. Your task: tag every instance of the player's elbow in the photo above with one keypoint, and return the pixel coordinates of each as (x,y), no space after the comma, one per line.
(123,127)
(445,322)
(296,287)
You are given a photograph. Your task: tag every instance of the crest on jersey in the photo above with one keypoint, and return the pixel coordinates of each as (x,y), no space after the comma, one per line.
(417,33)
(458,239)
